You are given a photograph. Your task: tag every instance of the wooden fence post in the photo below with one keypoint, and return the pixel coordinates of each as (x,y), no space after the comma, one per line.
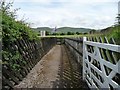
(84,39)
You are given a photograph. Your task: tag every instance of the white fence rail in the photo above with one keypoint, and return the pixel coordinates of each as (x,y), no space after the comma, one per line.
(97,71)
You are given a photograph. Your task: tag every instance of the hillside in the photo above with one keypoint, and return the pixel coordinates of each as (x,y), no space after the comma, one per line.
(113,32)
(63,29)
(42,29)
(70,29)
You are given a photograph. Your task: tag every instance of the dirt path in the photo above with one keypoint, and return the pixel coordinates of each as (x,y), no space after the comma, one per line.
(45,72)
(70,72)
(57,69)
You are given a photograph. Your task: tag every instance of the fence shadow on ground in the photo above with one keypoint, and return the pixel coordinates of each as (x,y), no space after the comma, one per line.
(70,73)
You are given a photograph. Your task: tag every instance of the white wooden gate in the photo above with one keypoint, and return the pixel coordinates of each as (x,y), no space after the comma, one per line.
(98,72)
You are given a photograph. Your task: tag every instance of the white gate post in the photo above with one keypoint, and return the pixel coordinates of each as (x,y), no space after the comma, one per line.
(84,39)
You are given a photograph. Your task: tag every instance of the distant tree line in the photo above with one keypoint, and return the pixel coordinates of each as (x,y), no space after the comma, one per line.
(62,33)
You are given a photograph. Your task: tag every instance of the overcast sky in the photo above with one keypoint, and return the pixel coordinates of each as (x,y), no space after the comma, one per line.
(94,14)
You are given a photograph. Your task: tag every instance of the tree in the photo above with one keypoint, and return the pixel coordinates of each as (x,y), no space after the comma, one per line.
(77,33)
(62,33)
(72,33)
(13,30)
(53,33)
(47,33)
(69,33)
(118,19)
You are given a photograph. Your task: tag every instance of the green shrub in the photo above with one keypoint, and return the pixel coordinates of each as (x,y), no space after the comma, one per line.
(13,30)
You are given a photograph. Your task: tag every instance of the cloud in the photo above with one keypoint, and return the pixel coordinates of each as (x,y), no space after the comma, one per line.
(82,1)
(87,13)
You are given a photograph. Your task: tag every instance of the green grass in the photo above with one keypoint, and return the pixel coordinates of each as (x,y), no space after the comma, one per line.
(113,32)
(87,35)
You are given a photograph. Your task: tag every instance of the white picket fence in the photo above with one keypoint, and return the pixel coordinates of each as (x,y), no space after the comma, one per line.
(94,65)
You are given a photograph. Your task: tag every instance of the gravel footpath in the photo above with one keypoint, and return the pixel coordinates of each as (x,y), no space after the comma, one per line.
(70,72)
(45,72)
(57,69)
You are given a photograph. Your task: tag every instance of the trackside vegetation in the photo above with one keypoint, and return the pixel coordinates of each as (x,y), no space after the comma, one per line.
(13,30)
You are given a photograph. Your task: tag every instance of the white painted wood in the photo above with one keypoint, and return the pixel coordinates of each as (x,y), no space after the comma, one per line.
(84,49)
(107,80)
(111,47)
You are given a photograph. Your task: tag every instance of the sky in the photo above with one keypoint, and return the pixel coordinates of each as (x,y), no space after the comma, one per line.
(94,14)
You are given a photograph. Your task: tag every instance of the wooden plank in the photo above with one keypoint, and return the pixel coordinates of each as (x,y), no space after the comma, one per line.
(16,73)
(20,50)
(10,75)
(24,54)
(19,62)
(104,46)
(6,81)
(109,53)
(30,54)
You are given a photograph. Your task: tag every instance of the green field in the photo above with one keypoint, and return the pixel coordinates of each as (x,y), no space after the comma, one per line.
(62,36)
(111,32)
(63,29)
